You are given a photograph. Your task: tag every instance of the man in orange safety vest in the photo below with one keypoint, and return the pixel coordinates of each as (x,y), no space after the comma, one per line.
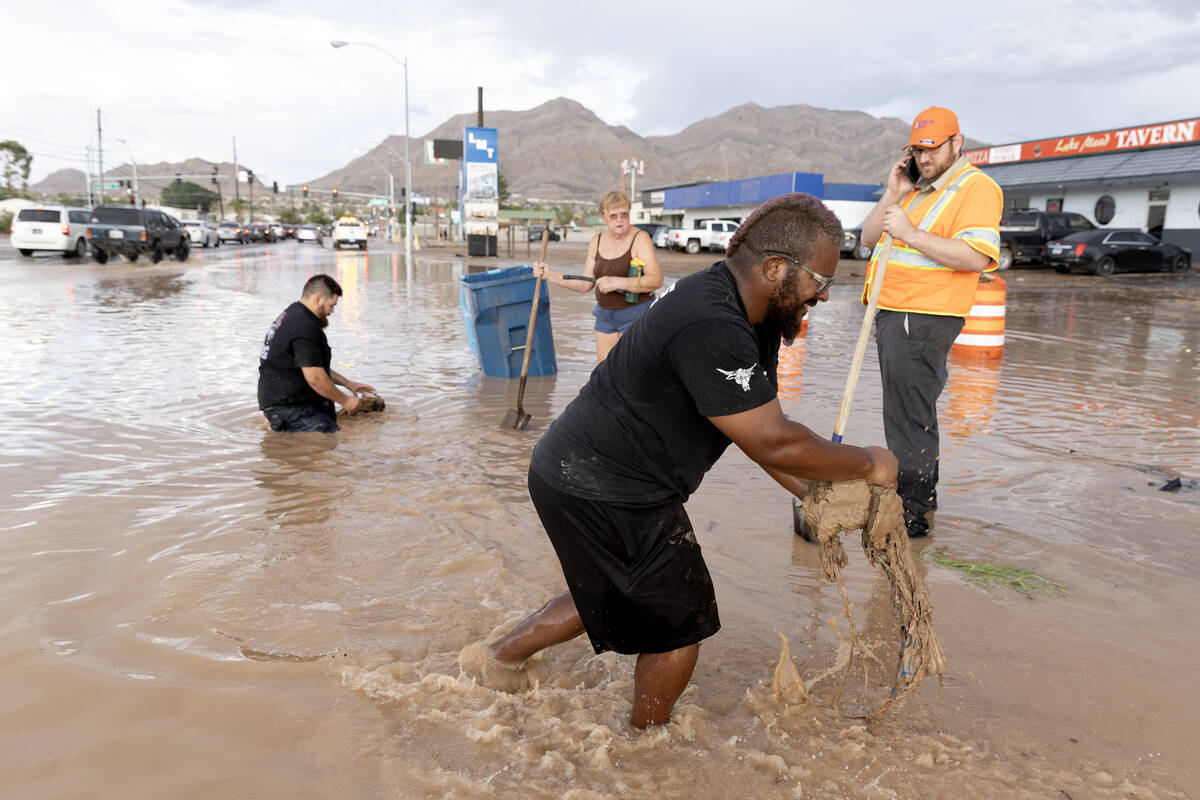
(943,215)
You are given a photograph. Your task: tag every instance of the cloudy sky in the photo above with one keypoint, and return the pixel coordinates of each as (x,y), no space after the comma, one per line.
(180,78)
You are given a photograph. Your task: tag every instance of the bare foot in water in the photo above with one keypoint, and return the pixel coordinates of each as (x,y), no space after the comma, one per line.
(477,662)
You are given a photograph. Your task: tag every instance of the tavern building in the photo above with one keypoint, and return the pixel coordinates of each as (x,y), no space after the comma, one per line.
(1146,177)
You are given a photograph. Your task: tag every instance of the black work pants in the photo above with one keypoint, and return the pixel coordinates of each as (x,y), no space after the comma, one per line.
(912,363)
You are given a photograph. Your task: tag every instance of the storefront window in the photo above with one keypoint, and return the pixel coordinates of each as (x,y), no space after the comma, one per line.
(1106,209)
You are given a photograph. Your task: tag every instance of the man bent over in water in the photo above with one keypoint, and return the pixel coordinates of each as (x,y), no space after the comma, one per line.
(296,387)
(610,476)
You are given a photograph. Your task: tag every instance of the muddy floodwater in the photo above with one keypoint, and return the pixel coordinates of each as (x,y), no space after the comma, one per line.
(192,606)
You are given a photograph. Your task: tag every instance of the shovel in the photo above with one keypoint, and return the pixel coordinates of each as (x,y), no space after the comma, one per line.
(516,418)
(860,349)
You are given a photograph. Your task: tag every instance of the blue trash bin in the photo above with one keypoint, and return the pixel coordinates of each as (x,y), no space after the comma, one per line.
(495,306)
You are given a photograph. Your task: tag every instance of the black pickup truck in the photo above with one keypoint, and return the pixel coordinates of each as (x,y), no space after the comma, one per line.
(134,232)
(1024,233)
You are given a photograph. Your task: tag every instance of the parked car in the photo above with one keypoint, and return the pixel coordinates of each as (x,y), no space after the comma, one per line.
(1024,233)
(55,228)
(230,232)
(202,232)
(1104,251)
(722,233)
(309,233)
(854,247)
(535,234)
(349,232)
(656,230)
(701,237)
(133,232)
(661,237)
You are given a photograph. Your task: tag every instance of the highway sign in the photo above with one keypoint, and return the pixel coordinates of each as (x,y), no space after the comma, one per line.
(377,201)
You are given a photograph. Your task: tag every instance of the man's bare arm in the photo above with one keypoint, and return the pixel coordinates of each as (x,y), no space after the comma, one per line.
(774,442)
(321,383)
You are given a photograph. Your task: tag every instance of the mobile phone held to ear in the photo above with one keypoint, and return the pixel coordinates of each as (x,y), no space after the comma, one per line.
(911,170)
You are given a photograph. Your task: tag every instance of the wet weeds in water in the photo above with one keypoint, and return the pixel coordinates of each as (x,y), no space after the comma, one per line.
(1025,581)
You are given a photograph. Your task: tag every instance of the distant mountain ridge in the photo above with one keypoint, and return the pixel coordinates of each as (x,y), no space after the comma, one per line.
(561,151)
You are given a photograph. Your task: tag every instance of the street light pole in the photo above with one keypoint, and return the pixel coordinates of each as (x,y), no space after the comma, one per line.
(137,195)
(408,195)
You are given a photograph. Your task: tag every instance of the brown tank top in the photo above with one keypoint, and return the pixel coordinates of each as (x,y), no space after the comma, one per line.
(618,267)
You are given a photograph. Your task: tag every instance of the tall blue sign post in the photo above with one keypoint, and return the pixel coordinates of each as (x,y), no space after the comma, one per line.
(480,190)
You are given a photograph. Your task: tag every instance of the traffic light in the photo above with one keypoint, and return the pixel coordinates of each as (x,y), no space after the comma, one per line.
(275,187)
(335,191)
(249,176)
(214,177)
(305,188)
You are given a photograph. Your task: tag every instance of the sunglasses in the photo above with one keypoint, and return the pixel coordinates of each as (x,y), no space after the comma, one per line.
(915,150)
(823,282)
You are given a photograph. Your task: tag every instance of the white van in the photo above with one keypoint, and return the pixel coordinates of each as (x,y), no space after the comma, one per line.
(56,228)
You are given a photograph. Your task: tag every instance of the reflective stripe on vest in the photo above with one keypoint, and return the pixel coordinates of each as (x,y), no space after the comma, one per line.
(915,282)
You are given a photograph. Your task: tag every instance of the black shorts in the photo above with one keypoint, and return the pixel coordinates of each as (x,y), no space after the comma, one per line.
(636,573)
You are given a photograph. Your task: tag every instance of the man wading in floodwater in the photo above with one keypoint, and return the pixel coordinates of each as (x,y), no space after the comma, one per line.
(609,478)
(296,387)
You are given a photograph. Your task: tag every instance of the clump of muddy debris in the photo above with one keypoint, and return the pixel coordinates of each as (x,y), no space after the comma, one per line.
(831,509)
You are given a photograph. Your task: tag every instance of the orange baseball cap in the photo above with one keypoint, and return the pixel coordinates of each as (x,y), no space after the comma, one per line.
(933,126)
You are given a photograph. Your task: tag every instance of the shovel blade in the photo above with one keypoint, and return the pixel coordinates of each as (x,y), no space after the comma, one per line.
(800,524)
(516,420)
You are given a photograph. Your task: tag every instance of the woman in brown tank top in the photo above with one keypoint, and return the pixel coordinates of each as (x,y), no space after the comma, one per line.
(620,299)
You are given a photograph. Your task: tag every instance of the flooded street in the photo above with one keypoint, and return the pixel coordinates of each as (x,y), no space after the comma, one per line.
(192,606)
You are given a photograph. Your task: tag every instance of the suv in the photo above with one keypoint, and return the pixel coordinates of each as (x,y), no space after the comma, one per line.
(133,231)
(349,231)
(1025,232)
(55,228)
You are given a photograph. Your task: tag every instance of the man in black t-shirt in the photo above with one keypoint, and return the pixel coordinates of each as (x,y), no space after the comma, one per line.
(695,373)
(296,387)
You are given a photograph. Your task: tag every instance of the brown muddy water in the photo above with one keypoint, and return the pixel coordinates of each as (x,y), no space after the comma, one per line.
(194,607)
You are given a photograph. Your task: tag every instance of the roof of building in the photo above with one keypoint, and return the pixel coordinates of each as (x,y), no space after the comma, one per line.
(1173,161)
(752,191)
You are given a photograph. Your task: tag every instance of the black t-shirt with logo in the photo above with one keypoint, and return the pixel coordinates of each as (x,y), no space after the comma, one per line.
(294,340)
(638,432)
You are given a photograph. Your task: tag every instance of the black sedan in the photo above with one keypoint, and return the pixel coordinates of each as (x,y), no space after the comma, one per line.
(1106,250)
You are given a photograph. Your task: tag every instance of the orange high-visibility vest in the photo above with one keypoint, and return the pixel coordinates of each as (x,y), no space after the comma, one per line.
(967,207)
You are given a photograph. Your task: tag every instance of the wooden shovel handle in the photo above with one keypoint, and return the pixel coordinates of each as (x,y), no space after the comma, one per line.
(864,336)
(537,291)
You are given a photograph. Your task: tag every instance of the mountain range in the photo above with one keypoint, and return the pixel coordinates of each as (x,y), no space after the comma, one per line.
(561,151)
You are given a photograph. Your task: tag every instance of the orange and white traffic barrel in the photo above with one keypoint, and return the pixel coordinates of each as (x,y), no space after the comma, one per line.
(983,334)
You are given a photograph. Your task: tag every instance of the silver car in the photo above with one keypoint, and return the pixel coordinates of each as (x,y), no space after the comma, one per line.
(309,233)
(202,232)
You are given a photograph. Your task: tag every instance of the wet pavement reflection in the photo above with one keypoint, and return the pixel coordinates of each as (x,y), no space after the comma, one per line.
(194,605)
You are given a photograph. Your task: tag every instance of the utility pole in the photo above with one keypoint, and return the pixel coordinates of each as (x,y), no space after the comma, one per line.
(100,145)
(479,113)
(235,169)
(88,176)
